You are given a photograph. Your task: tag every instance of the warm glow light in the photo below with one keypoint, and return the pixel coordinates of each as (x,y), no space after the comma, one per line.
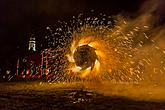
(73,47)
(81,44)
(93,44)
(97,65)
(76,69)
(86,72)
(100,53)
(70,58)
(84,41)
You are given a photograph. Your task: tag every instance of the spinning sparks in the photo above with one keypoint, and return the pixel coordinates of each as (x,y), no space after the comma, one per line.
(103,48)
(100,52)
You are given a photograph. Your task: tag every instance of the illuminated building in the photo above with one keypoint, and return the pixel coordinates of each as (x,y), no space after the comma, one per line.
(32,43)
(28,66)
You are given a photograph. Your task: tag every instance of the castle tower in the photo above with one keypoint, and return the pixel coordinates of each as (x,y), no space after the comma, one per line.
(32,43)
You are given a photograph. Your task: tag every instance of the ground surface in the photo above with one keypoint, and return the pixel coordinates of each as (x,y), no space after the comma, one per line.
(19,96)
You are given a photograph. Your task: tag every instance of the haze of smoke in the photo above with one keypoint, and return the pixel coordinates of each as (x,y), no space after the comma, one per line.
(151,51)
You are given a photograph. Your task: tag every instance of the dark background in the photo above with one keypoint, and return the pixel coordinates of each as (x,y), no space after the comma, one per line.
(18,18)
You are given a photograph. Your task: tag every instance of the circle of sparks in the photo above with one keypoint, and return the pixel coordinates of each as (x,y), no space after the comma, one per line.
(116,49)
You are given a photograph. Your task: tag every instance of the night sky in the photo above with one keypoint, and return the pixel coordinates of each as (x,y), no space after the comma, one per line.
(18,18)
